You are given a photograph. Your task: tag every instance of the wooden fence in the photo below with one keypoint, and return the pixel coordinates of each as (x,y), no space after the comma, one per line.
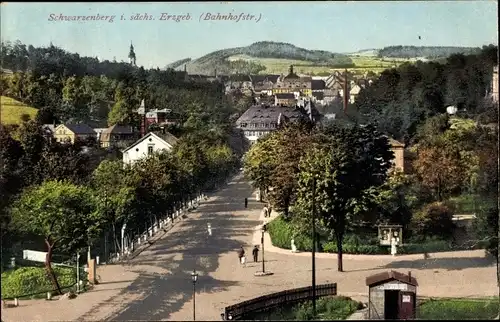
(266,302)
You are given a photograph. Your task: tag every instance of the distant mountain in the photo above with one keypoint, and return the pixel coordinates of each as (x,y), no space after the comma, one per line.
(248,59)
(178,63)
(430,52)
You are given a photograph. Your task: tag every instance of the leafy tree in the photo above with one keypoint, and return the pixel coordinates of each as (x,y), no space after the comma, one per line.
(116,192)
(346,169)
(62,213)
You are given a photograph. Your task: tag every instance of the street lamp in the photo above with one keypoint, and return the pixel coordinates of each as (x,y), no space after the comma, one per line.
(313,219)
(194,277)
(263,273)
(262,242)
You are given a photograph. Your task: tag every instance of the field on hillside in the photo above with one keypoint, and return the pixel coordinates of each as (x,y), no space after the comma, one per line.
(279,66)
(11,110)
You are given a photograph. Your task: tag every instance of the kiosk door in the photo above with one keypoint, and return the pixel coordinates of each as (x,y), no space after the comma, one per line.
(407,306)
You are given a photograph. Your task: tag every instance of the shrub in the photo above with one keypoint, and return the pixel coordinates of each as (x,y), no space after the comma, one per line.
(485,229)
(26,281)
(436,219)
(281,233)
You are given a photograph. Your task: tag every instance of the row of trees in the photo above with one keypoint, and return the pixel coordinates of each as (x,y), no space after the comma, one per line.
(70,204)
(404,97)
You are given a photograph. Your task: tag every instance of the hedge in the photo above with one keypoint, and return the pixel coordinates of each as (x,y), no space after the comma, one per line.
(281,233)
(31,281)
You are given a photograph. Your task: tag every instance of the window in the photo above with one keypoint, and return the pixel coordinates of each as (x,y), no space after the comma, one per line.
(150,149)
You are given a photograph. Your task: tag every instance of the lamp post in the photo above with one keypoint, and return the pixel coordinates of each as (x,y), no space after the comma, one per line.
(262,242)
(313,219)
(194,277)
(263,273)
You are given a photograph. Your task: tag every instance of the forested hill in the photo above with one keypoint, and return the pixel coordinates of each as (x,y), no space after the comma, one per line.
(430,52)
(178,63)
(221,61)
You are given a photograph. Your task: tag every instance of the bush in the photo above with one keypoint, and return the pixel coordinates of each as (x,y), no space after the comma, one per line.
(485,230)
(26,281)
(282,233)
(436,219)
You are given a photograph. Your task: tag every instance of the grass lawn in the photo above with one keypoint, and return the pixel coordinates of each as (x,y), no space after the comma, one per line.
(327,308)
(458,309)
(12,110)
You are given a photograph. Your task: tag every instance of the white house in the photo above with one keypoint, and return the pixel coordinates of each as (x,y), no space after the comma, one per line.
(148,145)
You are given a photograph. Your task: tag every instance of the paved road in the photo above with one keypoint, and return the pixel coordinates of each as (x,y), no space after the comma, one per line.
(160,287)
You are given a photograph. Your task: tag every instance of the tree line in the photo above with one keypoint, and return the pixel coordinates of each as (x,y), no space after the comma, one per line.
(68,88)
(402,98)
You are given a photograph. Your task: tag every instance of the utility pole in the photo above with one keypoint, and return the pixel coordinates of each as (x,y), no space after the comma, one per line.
(313,219)
(345,86)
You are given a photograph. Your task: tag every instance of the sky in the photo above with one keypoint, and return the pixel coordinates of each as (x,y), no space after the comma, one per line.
(334,26)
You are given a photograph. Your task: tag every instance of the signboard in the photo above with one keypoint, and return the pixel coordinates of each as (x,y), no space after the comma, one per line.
(387,232)
(393,287)
(406,299)
(34,256)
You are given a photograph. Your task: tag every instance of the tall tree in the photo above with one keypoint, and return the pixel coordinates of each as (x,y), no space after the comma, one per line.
(354,161)
(63,214)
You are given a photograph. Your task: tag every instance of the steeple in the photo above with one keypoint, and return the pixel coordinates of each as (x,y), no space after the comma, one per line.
(290,70)
(131,55)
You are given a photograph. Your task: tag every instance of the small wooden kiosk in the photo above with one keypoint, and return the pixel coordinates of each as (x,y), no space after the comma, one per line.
(392,295)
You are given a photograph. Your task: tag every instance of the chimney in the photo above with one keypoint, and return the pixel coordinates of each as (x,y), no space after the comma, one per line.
(185,68)
(409,277)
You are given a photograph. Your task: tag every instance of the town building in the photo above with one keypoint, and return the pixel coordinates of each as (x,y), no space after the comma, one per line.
(285,99)
(262,119)
(117,136)
(293,83)
(73,132)
(149,144)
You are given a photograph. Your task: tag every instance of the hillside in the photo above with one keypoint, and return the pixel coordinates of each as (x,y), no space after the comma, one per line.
(226,60)
(12,111)
(430,52)
(178,63)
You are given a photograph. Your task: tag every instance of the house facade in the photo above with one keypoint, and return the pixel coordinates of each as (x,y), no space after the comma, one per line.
(149,144)
(117,136)
(73,132)
(262,119)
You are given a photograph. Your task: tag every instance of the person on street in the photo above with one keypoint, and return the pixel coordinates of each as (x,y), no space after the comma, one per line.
(241,255)
(246,202)
(255,253)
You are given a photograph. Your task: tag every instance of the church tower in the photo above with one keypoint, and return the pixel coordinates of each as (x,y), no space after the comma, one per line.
(131,55)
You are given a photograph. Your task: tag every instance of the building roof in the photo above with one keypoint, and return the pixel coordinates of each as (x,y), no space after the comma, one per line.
(285,96)
(163,136)
(272,78)
(384,277)
(80,128)
(115,129)
(317,84)
(269,113)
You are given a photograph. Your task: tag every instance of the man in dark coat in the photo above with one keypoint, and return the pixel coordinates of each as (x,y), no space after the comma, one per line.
(241,254)
(255,253)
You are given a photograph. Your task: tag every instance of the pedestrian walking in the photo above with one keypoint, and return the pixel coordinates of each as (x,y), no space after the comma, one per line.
(255,253)
(246,202)
(241,255)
